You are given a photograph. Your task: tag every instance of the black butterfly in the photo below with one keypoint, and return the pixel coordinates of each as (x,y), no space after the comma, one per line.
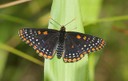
(72,46)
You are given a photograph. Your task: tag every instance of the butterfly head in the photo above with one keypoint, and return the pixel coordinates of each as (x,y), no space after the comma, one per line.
(62,28)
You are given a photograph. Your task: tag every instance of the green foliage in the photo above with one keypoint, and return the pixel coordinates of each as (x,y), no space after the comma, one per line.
(57,70)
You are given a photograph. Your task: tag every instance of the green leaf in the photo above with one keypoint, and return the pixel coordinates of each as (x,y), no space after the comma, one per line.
(64,11)
(19,53)
(90,11)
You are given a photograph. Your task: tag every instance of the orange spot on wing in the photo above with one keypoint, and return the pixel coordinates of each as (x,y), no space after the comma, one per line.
(49,57)
(72,46)
(78,36)
(27,41)
(100,47)
(69,60)
(84,53)
(34,46)
(93,49)
(39,32)
(65,59)
(78,58)
(97,48)
(89,51)
(37,51)
(30,44)
(103,42)
(21,32)
(45,55)
(45,32)
(24,39)
(40,54)
(22,36)
(81,56)
(74,60)
(84,37)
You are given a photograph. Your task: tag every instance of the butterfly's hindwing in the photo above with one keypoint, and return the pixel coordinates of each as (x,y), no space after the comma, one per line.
(44,41)
(78,44)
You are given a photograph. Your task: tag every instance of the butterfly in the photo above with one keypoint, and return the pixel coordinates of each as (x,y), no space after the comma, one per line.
(71,46)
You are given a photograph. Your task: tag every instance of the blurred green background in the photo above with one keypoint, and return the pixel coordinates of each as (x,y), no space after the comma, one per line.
(111,26)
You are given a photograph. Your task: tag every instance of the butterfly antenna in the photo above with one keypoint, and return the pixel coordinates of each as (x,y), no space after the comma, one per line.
(55,21)
(70,22)
(53,24)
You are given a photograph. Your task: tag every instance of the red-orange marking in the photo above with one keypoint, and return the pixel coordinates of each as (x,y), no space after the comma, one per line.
(89,51)
(81,55)
(45,55)
(97,48)
(24,39)
(49,57)
(103,42)
(65,59)
(22,36)
(21,32)
(93,49)
(40,54)
(30,44)
(37,51)
(39,32)
(27,41)
(78,58)
(45,32)
(84,53)
(72,46)
(78,36)
(34,46)
(84,37)
(69,60)
(74,60)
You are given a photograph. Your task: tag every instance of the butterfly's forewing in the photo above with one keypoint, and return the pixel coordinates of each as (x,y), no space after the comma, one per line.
(78,44)
(44,41)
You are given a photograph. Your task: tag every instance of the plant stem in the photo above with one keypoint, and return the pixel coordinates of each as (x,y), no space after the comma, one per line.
(64,11)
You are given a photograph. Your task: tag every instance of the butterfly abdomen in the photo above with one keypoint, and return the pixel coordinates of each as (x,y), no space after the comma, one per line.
(60,48)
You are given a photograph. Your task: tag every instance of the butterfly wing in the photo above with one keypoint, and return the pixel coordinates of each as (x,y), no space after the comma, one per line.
(44,41)
(78,44)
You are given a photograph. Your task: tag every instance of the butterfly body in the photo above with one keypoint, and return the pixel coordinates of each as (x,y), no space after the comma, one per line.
(71,46)
(60,48)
